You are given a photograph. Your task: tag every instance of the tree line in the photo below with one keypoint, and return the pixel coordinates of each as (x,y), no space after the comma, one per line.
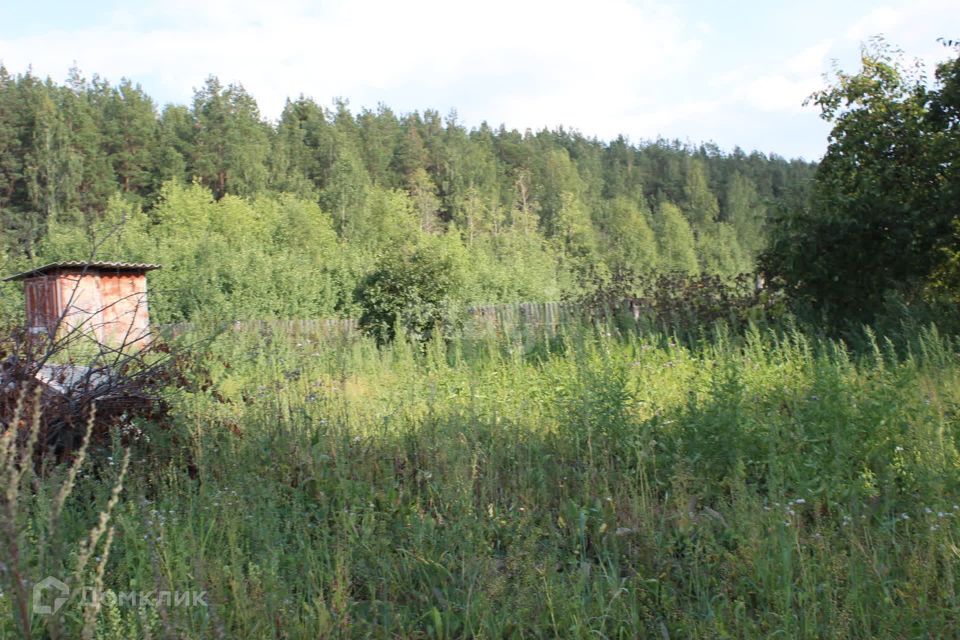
(287,218)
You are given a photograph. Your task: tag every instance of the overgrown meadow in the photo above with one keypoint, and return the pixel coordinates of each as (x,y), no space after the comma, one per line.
(594,484)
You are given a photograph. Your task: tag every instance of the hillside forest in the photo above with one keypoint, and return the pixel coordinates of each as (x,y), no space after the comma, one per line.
(252,218)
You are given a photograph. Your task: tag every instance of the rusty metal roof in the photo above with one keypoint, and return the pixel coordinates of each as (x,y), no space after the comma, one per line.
(84,266)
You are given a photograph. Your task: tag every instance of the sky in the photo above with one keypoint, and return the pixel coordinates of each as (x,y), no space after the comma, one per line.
(733,73)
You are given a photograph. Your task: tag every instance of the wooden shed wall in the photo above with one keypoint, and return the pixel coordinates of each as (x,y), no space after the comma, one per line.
(110,307)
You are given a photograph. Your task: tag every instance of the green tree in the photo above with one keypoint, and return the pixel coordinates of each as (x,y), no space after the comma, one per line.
(11,152)
(720,252)
(305,145)
(51,172)
(885,194)
(700,204)
(379,134)
(423,192)
(574,231)
(559,185)
(628,236)
(130,129)
(80,106)
(744,210)
(345,195)
(231,144)
(410,154)
(413,289)
(677,243)
(174,145)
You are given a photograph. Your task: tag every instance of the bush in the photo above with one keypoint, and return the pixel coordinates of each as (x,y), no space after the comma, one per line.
(679,302)
(413,290)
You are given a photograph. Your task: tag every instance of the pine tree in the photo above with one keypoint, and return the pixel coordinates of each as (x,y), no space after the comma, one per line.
(11,153)
(130,131)
(51,171)
(175,134)
(231,144)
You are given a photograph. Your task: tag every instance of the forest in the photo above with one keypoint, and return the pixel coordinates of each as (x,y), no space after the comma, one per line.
(285,219)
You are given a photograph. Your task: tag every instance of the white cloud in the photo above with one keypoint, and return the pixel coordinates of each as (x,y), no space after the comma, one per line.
(880,20)
(811,60)
(786,82)
(556,59)
(637,67)
(778,92)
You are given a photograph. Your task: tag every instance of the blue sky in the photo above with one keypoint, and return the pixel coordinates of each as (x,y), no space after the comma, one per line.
(733,73)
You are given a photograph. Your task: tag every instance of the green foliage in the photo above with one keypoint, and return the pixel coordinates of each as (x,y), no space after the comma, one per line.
(885,194)
(231,142)
(87,167)
(769,484)
(273,256)
(678,303)
(720,252)
(747,213)
(346,192)
(413,289)
(700,203)
(677,243)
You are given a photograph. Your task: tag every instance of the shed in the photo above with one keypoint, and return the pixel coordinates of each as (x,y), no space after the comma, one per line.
(106,300)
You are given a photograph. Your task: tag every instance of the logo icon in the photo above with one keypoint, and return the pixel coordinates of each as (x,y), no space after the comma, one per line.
(49,583)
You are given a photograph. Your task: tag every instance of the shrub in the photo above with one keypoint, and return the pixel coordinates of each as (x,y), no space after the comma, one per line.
(413,290)
(679,302)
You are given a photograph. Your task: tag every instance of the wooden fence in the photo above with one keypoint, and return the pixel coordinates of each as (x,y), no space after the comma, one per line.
(521,318)
(537,318)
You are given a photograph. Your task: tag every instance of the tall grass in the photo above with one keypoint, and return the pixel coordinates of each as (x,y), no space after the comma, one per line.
(589,485)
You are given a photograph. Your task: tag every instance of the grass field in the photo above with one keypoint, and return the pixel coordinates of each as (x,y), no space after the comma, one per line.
(588,486)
